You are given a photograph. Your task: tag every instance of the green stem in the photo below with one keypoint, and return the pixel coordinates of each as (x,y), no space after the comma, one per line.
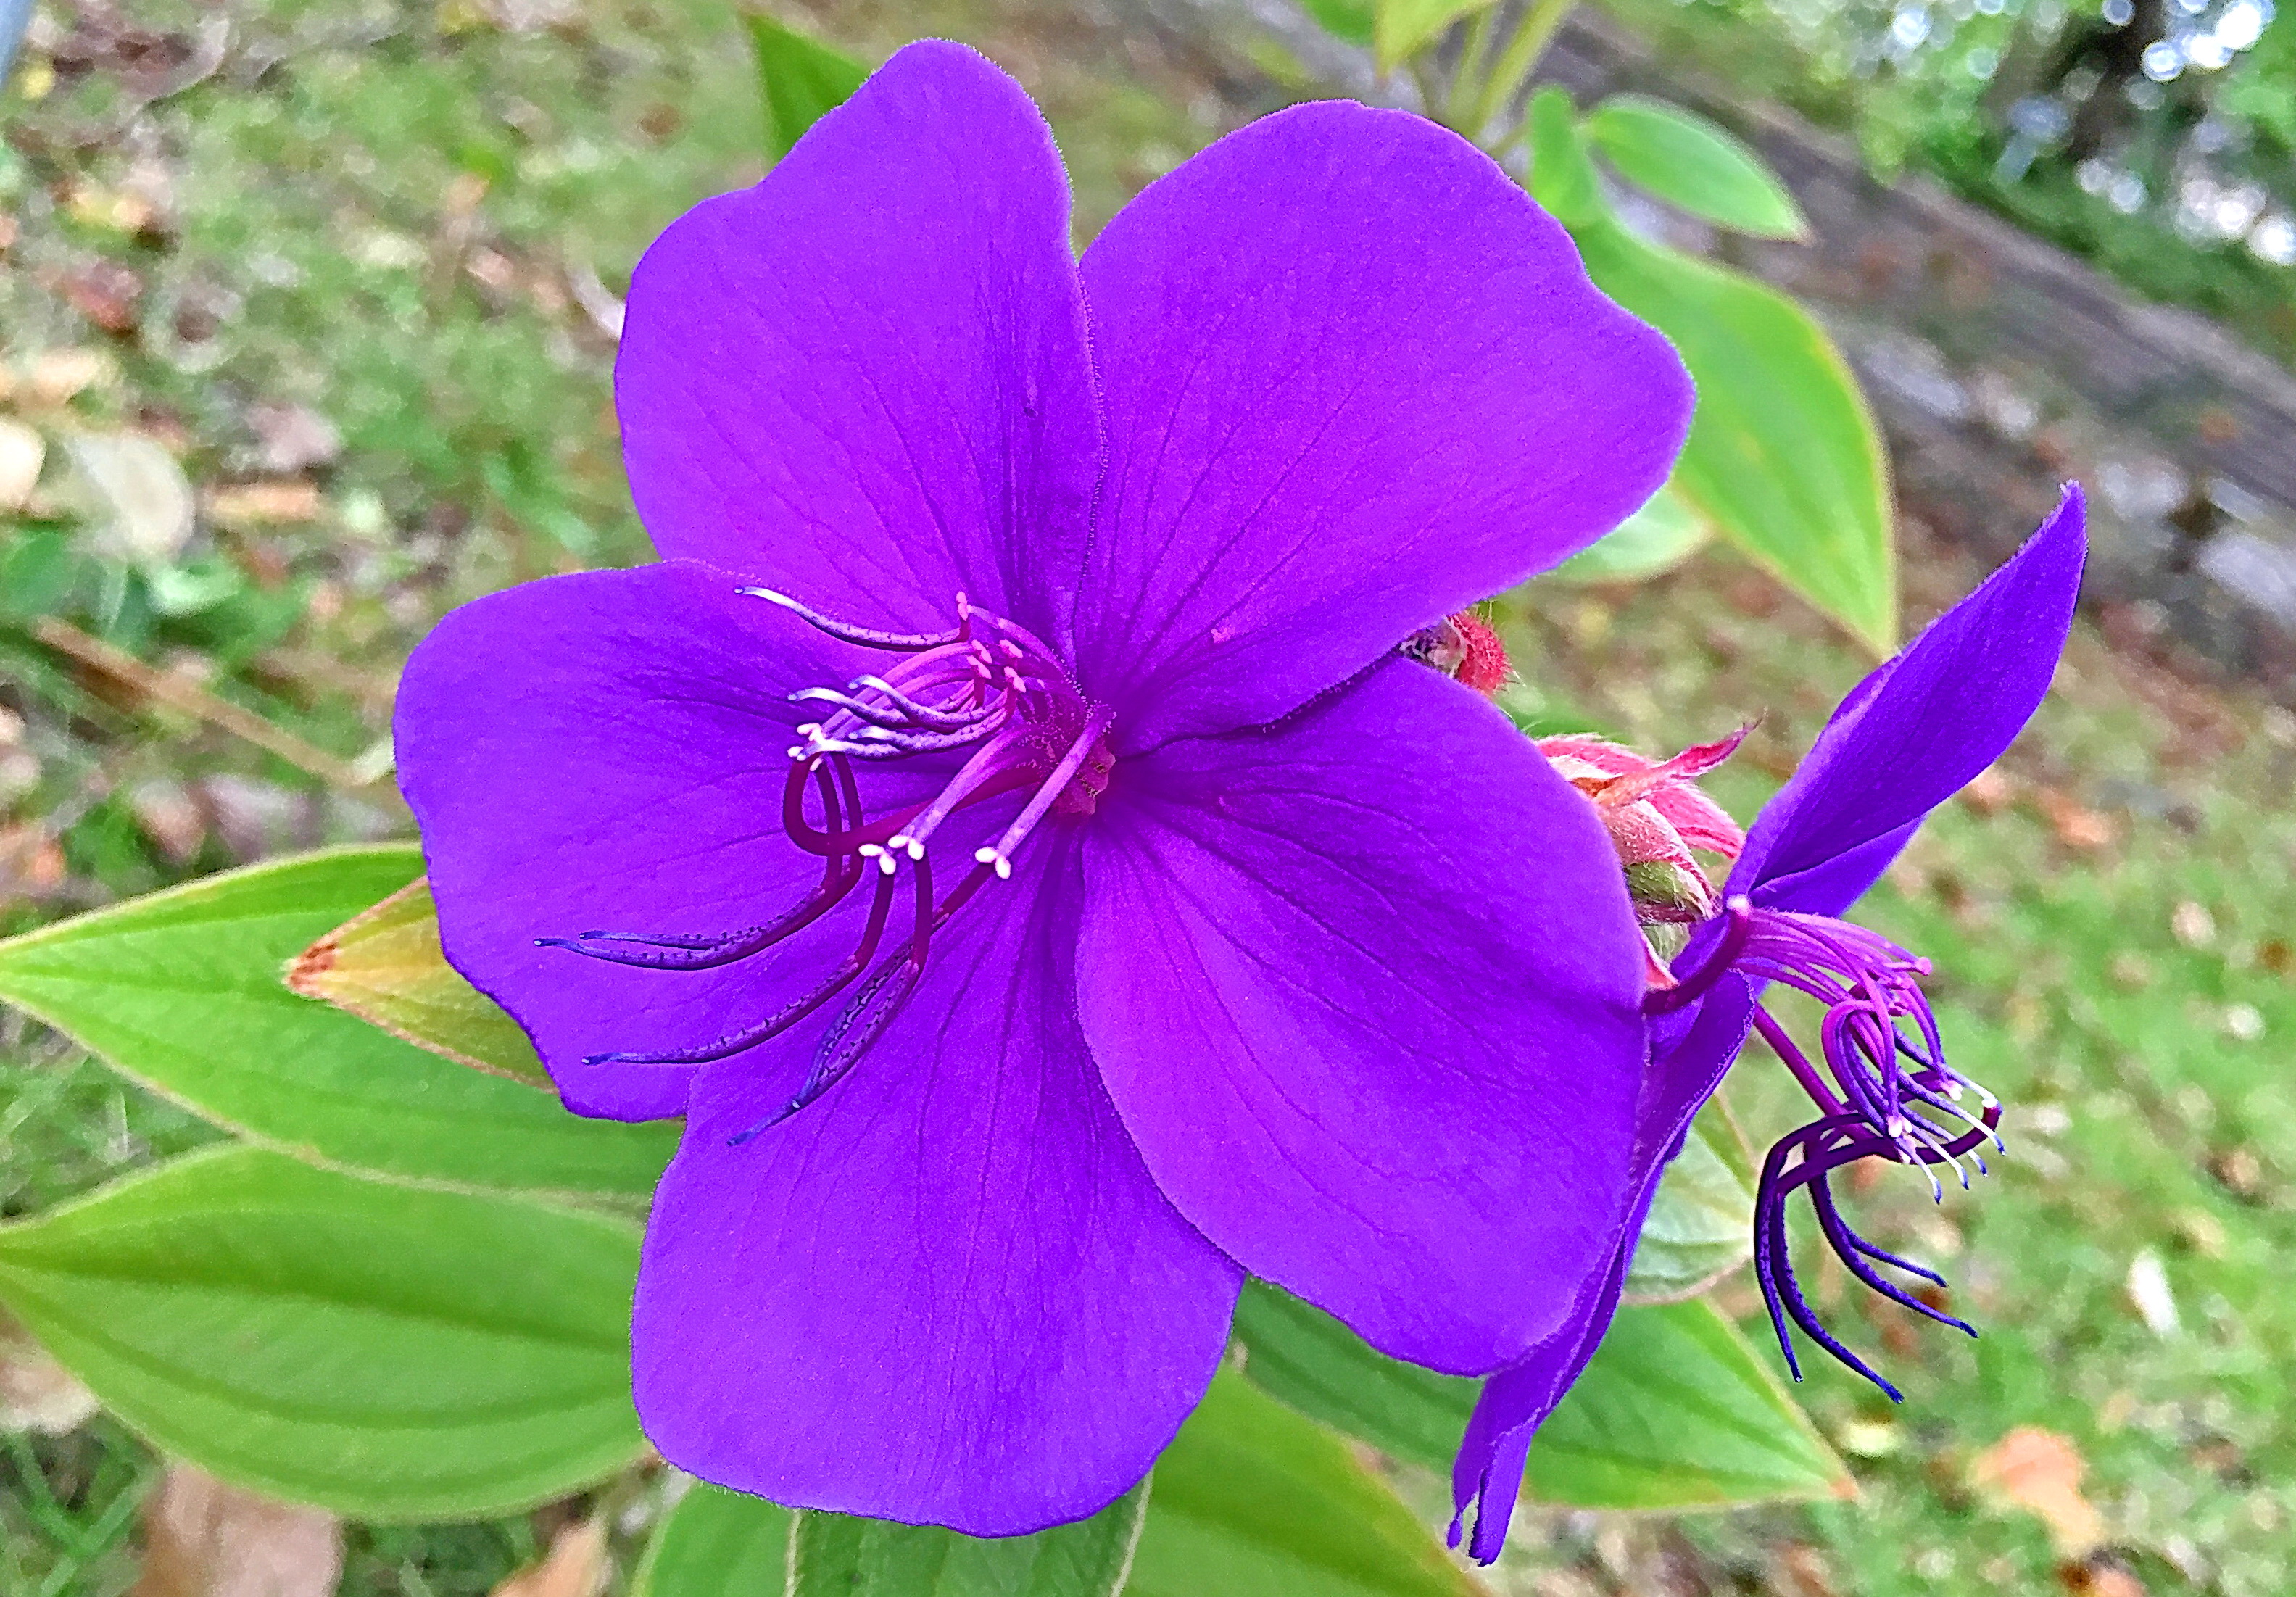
(1539,20)
(1471,56)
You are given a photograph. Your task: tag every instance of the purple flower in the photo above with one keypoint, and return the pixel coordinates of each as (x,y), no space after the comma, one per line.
(1004,827)
(1907,738)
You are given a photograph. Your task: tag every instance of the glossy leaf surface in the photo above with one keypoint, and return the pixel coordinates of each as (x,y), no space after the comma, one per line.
(183,991)
(1691,163)
(835,1555)
(802,80)
(381,1350)
(1675,1410)
(1253,1498)
(1700,1224)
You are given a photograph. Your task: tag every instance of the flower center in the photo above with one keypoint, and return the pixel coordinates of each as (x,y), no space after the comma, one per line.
(987,687)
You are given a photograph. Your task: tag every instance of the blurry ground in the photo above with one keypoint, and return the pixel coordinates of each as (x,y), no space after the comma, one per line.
(352,268)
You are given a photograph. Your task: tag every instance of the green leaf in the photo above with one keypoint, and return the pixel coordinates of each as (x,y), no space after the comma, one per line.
(1562,179)
(386,966)
(1350,22)
(1690,162)
(1401,28)
(1700,1224)
(713,1543)
(1674,1411)
(182,991)
(837,1555)
(802,79)
(1665,532)
(1782,453)
(1303,1356)
(1677,1411)
(377,1349)
(1252,1498)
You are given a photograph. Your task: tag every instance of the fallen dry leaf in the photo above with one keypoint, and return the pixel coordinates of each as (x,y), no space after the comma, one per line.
(264,504)
(202,1538)
(1990,791)
(2040,1471)
(2076,824)
(58,375)
(576,1566)
(150,500)
(107,293)
(2191,925)
(293,438)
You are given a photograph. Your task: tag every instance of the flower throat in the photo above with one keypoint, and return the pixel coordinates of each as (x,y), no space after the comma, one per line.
(987,686)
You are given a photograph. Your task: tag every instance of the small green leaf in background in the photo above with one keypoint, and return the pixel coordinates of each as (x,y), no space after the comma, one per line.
(1689,162)
(386,966)
(802,79)
(1254,1499)
(1700,1224)
(1783,454)
(1656,538)
(376,1349)
(183,990)
(1562,179)
(713,1543)
(837,1555)
(1401,28)
(1350,22)
(1674,1411)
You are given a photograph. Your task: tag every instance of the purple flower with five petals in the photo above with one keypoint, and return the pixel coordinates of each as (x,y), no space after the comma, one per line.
(1905,740)
(1005,827)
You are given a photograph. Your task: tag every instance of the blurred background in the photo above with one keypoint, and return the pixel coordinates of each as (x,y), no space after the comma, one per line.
(307,317)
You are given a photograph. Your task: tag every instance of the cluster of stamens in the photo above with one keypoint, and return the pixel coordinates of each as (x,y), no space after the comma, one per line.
(987,689)
(1885,1091)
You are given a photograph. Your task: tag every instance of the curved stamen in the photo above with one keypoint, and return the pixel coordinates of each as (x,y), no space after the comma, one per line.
(789,1014)
(868,637)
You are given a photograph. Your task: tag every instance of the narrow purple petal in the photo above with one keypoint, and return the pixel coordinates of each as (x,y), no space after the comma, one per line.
(1354,380)
(1914,733)
(605,752)
(1365,990)
(865,379)
(1691,1050)
(947,1292)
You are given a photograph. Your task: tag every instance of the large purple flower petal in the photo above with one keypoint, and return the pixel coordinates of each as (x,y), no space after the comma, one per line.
(947,1291)
(865,379)
(608,752)
(1916,731)
(1365,990)
(1354,380)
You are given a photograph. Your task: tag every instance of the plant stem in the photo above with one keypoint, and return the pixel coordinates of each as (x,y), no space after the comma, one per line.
(1476,50)
(1540,18)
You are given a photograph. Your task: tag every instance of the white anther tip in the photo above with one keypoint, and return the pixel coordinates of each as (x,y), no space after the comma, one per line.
(989,856)
(917,850)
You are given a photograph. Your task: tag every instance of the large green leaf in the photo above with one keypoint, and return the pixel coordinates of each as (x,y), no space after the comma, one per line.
(1401,28)
(381,1350)
(1250,1498)
(802,79)
(1783,453)
(714,1543)
(182,991)
(387,966)
(1668,530)
(1700,1224)
(1674,1411)
(836,1555)
(1689,162)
